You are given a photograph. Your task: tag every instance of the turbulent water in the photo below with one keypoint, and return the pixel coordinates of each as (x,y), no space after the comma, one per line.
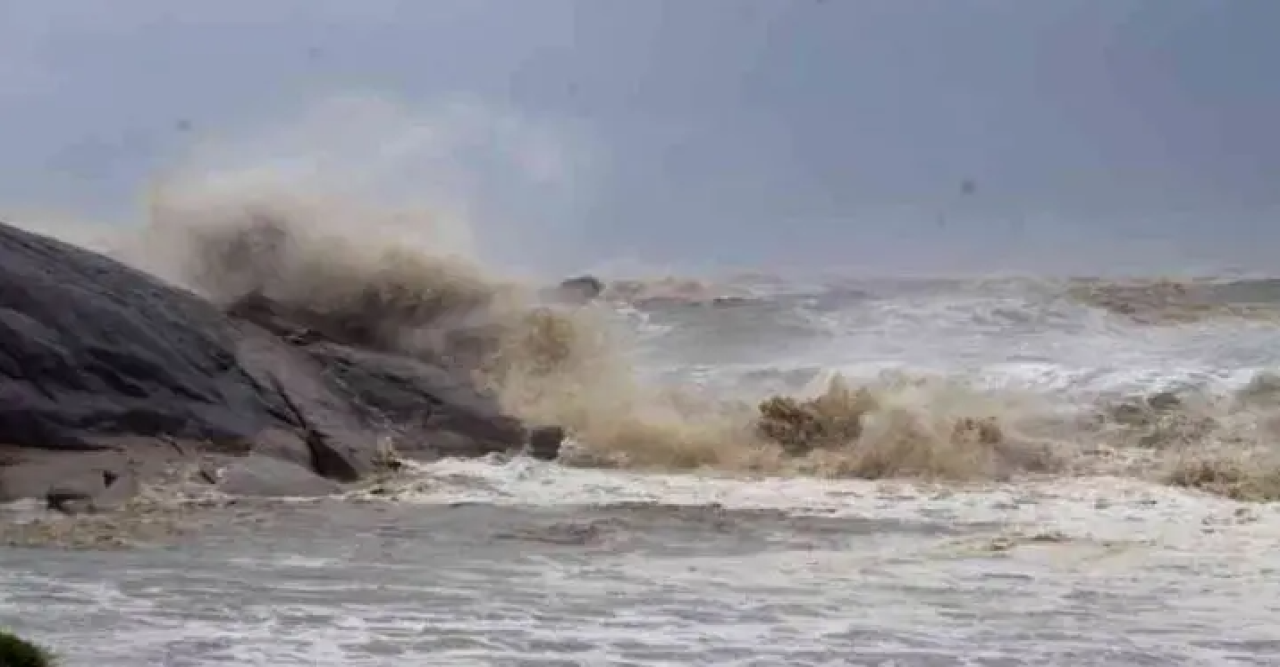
(1115,512)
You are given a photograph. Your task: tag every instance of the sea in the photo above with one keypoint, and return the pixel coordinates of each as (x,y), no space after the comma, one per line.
(1123,513)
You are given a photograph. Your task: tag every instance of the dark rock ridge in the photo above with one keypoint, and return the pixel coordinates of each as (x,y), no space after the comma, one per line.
(109,375)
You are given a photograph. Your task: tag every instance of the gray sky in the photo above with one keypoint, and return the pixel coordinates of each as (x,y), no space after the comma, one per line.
(1101,135)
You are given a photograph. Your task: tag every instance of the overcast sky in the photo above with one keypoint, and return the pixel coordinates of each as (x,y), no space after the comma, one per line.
(1098,134)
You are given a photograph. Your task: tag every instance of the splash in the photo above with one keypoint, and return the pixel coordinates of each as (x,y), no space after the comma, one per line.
(675,290)
(411,280)
(413,276)
(573,368)
(399,280)
(408,281)
(903,426)
(1171,302)
(393,280)
(1220,443)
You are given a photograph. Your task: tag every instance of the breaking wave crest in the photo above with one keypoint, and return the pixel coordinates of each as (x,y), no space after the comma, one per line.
(1180,301)
(409,281)
(392,280)
(380,279)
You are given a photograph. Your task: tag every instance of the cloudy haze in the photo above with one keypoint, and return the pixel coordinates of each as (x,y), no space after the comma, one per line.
(1098,135)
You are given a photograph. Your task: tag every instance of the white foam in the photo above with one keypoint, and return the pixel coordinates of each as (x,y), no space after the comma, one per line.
(1059,572)
(1044,572)
(1097,508)
(1022,341)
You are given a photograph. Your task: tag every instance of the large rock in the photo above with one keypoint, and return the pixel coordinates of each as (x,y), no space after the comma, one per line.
(18,652)
(263,476)
(433,411)
(108,375)
(576,290)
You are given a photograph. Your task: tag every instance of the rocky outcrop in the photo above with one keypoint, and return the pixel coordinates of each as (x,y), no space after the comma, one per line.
(18,652)
(576,290)
(109,375)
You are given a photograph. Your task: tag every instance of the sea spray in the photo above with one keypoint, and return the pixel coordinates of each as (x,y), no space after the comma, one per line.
(408,276)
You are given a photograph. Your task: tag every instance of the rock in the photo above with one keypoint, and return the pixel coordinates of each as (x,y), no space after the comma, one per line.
(97,491)
(72,482)
(262,476)
(434,412)
(545,443)
(106,368)
(92,348)
(577,290)
(317,426)
(18,652)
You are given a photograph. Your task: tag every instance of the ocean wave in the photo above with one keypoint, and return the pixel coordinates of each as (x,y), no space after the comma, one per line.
(960,379)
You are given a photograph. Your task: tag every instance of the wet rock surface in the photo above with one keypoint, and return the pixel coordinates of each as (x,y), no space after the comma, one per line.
(109,376)
(263,476)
